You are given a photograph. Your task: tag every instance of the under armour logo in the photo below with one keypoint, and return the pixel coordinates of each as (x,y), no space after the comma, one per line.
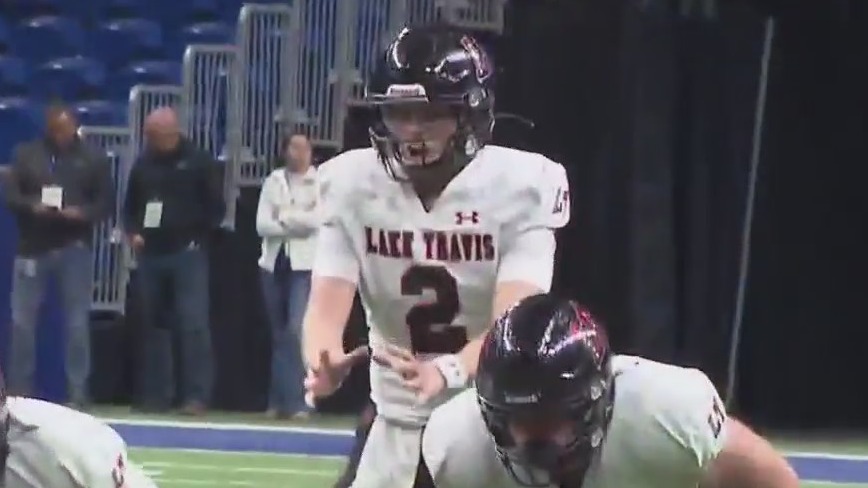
(461,217)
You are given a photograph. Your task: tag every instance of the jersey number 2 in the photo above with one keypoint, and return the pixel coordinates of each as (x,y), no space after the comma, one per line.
(431,327)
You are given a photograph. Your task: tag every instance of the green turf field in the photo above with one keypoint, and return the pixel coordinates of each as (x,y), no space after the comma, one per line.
(184,469)
(174,468)
(216,469)
(805,485)
(247,418)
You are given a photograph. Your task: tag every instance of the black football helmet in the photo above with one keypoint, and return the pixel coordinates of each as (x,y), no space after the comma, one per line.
(545,389)
(430,73)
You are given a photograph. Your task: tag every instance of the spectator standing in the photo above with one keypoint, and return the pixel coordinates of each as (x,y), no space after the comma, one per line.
(174,200)
(287,222)
(58,189)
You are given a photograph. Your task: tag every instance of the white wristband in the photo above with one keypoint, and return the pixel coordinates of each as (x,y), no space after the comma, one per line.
(453,371)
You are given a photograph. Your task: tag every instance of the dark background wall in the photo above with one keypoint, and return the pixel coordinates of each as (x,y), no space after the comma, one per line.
(653,111)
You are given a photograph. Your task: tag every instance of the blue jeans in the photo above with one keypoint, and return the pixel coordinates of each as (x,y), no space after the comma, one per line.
(72,268)
(285,294)
(183,276)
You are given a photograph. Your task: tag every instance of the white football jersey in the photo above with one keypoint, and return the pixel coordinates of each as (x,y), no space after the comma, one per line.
(52,446)
(427,277)
(667,425)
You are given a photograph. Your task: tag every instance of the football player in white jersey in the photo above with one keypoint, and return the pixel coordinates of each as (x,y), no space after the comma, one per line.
(553,407)
(439,230)
(44,445)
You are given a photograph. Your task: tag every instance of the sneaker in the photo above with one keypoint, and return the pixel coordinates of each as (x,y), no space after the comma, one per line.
(300,415)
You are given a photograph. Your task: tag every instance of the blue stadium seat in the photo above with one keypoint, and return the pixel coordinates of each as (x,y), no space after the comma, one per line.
(233,5)
(125,40)
(207,33)
(20,121)
(5,36)
(74,78)
(200,9)
(144,72)
(232,8)
(261,77)
(101,112)
(13,76)
(119,9)
(201,33)
(46,37)
(172,14)
(31,8)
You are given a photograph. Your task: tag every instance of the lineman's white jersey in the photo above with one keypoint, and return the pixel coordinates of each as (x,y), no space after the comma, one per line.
(668,424)
(427,278)
(52,446)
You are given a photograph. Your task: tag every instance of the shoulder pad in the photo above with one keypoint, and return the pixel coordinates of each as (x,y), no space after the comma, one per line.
(702,426)
(554,189)
(678,408)
(542,190)
(339,180)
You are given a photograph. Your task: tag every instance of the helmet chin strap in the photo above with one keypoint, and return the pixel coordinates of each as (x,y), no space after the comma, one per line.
(418,151)
(431,178)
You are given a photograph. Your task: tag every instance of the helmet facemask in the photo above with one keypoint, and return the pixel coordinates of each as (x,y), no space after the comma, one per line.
(415,137)
(550,445)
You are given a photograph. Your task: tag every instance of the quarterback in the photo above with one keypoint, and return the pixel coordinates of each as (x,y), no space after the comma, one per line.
(439,231)
(44,445)
(553,407)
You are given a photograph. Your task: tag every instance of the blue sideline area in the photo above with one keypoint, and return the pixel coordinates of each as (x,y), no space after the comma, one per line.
(820,467)
(314,442)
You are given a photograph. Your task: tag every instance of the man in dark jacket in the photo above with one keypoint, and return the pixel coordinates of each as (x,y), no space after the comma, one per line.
(58,189)
(174,200)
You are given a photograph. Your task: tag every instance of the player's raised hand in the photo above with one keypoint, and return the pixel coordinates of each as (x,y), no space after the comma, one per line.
(326,376)
(420,376)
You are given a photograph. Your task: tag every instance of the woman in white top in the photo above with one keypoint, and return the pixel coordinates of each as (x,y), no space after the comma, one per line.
(286,220)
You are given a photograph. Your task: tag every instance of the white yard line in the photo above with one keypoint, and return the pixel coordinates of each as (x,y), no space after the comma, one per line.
(223,469)
(239,453)
(832,483)
(196,482)
(826,455)
(227,426)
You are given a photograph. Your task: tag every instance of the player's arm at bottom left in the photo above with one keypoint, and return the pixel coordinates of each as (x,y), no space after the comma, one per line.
(746,460)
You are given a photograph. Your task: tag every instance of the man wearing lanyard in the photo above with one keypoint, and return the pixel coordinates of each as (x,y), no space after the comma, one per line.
(58,189)
(174,200)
